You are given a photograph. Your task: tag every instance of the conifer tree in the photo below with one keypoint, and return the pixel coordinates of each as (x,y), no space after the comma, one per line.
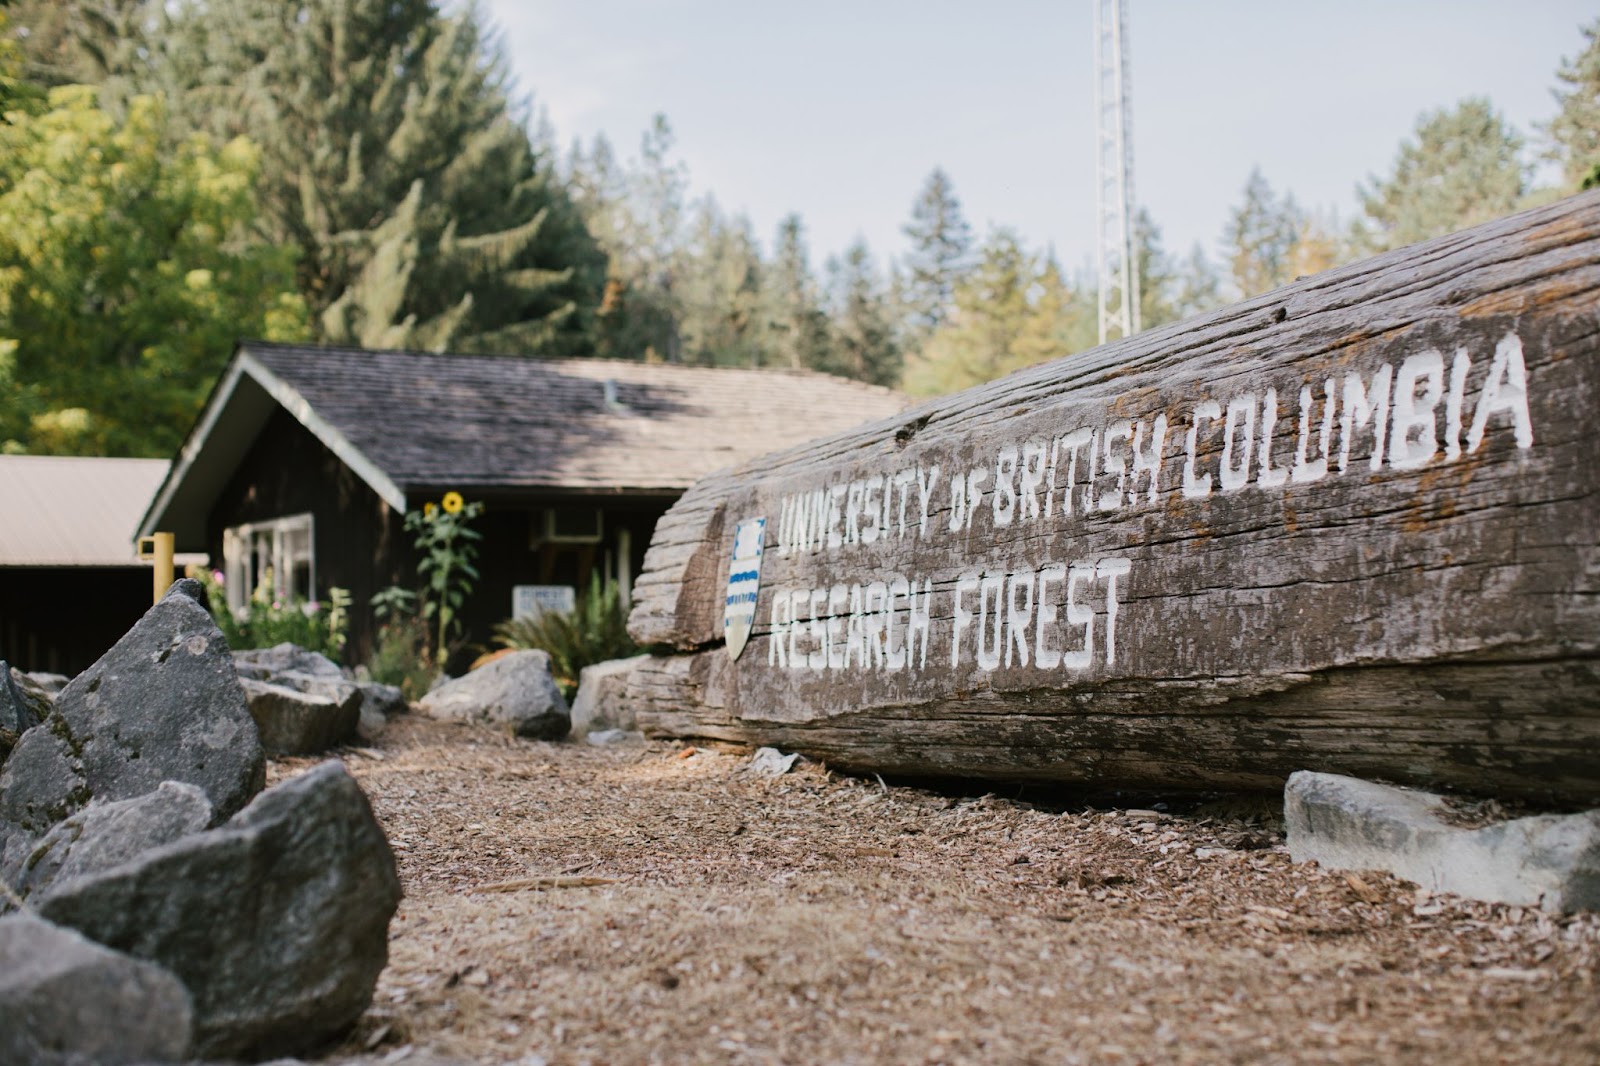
(1012,310)
(941,242)
(636,212)
(1575,131)
(798,324)
(1062,320)
(392,160)
(1462,168)
(722,316)
(111,44)
(1197,284)
(598,184)
(864,345)
(1260,237)
(1157,276)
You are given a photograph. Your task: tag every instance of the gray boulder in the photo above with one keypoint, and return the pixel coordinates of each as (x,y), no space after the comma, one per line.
(379,703)
(386,700)
(371,724)
(602,699)
(1345,823)
(304,720)
(277,922)
(45,683)
(103,835)
(43,780)
(516,691)
(22,706)
(39,690)
(71,1002)
(164,704)
(263,663)
(335,689)
(293,727)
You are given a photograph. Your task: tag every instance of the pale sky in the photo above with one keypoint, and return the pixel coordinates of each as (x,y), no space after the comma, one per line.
(839,110)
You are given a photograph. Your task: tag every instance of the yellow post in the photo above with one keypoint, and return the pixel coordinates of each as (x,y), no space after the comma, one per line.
(159,552)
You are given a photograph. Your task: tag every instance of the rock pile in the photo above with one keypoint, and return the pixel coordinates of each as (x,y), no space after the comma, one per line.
(303,703)
(164,704)
(222,920)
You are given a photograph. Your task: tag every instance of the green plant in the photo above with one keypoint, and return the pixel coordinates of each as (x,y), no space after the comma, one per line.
(322,627)
(448,545)
(594,631)
(419,630)
(393,603)
(400,656)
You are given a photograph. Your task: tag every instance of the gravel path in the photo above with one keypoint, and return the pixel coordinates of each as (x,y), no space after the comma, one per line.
(651,904)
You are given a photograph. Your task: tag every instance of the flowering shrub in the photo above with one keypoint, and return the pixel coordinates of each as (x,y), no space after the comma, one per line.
(321,627)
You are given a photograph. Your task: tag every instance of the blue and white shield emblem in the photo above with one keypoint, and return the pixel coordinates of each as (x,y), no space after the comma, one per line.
(744,579)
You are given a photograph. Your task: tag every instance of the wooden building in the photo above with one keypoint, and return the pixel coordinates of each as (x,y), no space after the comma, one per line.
(306,460)
(70,581)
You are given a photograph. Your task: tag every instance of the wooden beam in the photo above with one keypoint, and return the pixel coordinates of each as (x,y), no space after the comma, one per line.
(1351,525)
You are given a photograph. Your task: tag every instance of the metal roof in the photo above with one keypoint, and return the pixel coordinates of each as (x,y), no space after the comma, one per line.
(410,422)
(69,511)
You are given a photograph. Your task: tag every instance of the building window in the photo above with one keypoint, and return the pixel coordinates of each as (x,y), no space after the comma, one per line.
(566,525)
(275,557)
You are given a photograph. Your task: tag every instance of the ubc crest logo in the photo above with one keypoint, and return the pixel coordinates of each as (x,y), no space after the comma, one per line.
(744,580)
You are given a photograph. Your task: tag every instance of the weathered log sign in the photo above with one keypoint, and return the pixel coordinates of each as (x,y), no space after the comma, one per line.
(1352,525)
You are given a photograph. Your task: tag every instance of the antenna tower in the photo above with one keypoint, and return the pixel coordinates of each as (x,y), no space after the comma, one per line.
(1113,160)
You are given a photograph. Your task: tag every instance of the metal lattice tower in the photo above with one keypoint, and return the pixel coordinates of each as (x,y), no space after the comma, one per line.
(1119,273)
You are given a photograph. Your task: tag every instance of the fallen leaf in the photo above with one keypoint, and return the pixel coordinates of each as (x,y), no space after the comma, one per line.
(1367,893)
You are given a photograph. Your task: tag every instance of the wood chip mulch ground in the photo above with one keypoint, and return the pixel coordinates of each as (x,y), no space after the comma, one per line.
(657,904)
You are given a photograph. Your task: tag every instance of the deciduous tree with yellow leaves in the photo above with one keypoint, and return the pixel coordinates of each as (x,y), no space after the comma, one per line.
(127,271)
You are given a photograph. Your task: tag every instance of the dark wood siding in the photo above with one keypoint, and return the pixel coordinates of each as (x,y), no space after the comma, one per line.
(61,619)
(358,541)
(509,557)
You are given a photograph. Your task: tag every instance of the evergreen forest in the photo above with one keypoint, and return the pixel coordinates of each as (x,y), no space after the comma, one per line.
(178,175)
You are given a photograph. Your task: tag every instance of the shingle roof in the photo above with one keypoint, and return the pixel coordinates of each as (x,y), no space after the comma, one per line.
(498,422)
(67,511)
(409,422)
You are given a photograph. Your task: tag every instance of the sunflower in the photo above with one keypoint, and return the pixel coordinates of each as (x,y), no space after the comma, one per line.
(428,509)
(452,503)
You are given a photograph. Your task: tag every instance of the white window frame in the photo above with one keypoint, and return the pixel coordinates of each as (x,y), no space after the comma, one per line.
(248,549)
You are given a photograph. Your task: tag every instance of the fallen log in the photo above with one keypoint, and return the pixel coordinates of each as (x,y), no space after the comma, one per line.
(1352,525)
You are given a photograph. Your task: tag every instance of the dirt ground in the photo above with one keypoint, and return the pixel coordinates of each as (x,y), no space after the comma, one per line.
(652,904)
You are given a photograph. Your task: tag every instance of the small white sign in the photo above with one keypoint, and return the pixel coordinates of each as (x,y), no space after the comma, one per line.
(530,601)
